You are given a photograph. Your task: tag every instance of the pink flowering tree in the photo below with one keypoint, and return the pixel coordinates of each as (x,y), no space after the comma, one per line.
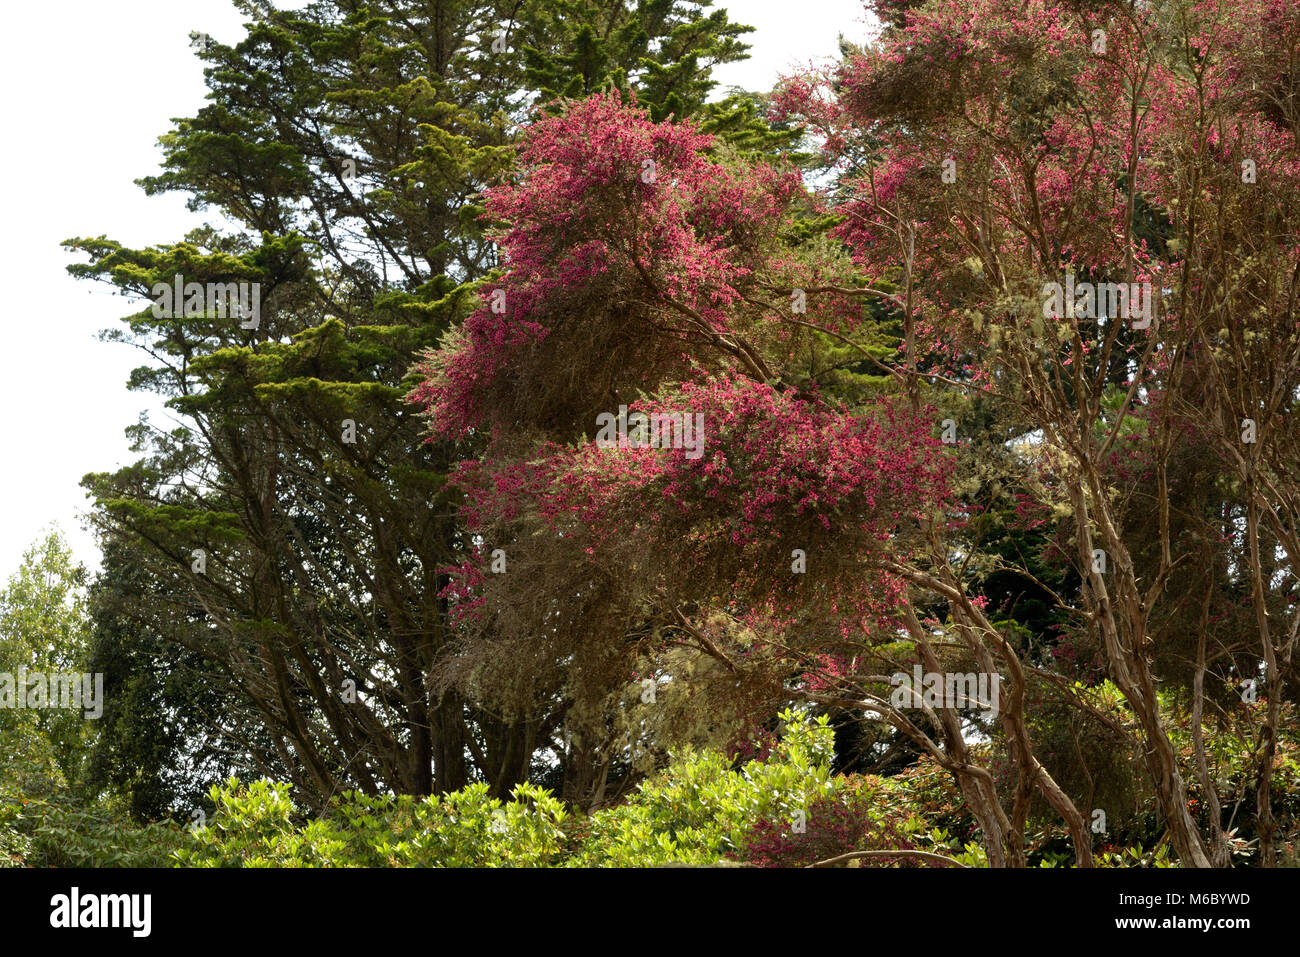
(1089,210)
(1055,251)
(797,538)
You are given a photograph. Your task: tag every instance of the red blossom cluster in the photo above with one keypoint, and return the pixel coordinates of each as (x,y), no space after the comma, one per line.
(607,203)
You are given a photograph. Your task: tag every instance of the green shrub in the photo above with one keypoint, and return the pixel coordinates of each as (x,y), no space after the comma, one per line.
(695,812)
(258,826)
(60,831)
(698,810)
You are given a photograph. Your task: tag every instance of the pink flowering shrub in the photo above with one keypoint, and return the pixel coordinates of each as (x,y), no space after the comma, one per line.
(833,824)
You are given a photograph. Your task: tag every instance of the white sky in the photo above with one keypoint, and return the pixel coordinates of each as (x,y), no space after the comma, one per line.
(88,86)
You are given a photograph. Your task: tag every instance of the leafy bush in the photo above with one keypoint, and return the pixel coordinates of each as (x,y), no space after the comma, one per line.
(15,846)
(694,812)
(699,810)
(60,831)
(257,825)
